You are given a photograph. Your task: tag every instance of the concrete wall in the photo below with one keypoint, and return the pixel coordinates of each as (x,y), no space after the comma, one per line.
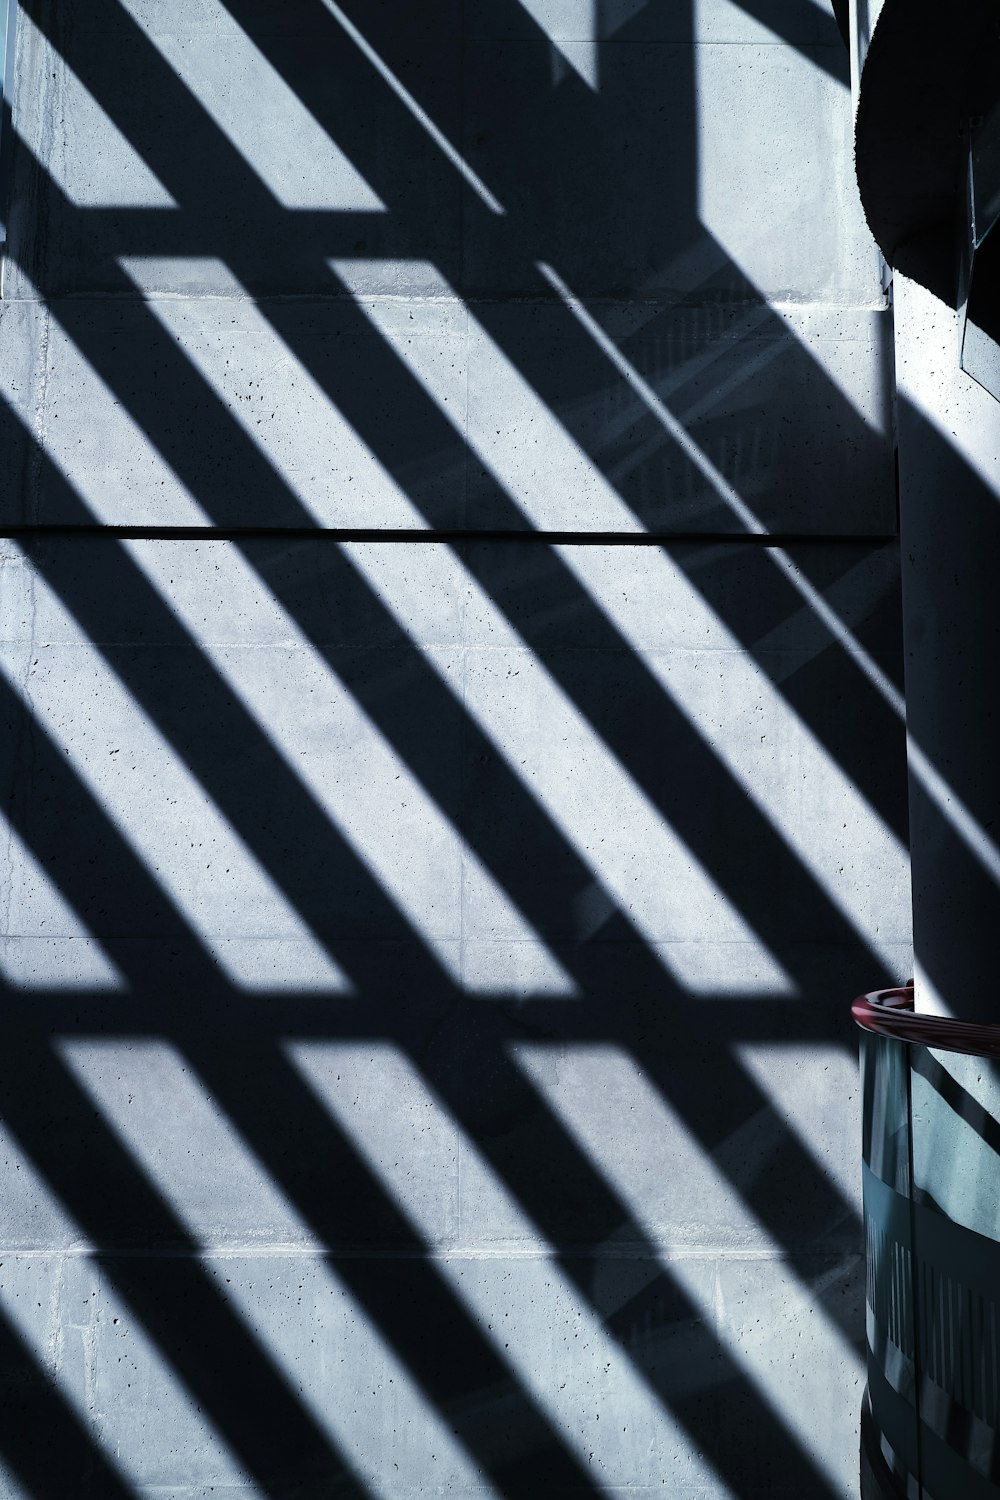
(428,939)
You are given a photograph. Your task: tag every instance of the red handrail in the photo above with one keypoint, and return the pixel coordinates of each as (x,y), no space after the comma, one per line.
(890,1013)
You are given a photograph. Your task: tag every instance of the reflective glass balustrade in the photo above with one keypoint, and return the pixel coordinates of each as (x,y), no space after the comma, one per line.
(931,1168)
(979,284)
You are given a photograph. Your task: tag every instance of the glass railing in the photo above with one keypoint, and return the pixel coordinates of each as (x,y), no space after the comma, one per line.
(931,1153)
(979,274)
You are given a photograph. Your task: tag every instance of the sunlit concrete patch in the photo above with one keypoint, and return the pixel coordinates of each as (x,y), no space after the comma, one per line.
(748,725)
(268,1264)
(102,1363)
(800,234)
(145,788)
(928,380)
(514,969)
(255,108)
(572,27)
(44,944)
(852,348)
(345,1371)
(57,963)
(927,998)
(362,784)
(814,1090)
(543,1329)
(278,965)
(97,452)
(767,1321)
(114,172)
(656,879)
(162,1435)
(711,417)
(175,1129)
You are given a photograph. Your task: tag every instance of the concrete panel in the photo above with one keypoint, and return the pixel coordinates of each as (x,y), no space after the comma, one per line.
(122,413)
(323,424)
(705,403)
(53,1302)
(208,650)
(263,166)
(800,234)
(787,1355)
(616,185)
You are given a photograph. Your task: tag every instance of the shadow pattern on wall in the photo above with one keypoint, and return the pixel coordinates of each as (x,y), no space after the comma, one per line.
(114,617)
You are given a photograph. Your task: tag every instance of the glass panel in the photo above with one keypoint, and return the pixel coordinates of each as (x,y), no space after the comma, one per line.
(955,1123)
(889,1313)
(979,269)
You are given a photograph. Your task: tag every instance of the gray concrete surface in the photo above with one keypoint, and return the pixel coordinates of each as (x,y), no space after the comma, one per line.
(426,1066)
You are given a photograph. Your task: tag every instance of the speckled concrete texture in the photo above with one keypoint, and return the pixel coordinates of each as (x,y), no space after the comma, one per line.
(426,943)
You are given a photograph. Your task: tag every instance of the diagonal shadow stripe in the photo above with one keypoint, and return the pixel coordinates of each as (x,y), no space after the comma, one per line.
(398,390)
(109,1197)
(147,410)
(299,1117)
(226,1369)
(472,1036)
(181,720)
(614,1216)
(71,1462)
(827,52)
(351,1190)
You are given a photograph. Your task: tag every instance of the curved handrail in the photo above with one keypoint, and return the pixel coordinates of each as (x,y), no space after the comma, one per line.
(890,1013)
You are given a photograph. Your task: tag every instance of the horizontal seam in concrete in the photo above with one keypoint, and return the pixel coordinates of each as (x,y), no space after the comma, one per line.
(835,1254)
(445,534)
(471,299)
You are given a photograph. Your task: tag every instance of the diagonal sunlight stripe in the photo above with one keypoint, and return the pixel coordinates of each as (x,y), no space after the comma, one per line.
(771,1325)
(55,1293)
(43,943)
(637,857)
(160,809)
(505,1273)
(421,116)
(271,1265)
(90,179)
(578,41)
(746,722)
(786,1074)
(253,106)
(394,827)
